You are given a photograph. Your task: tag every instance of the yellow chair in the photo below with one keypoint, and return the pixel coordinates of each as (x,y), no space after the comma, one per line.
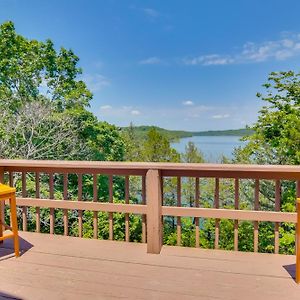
(7,192)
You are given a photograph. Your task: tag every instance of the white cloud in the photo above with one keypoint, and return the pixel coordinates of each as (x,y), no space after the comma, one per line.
(150,12)
(150,61)
(281,49)
(95,82)
(224,116)
(135,112)
(188,103)
(207,60)
(105,107)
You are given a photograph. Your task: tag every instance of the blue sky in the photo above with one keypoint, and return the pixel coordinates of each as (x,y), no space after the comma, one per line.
(193,65)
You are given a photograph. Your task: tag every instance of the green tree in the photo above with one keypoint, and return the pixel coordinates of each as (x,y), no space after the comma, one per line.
(157,148)
(29,68)
(276,138)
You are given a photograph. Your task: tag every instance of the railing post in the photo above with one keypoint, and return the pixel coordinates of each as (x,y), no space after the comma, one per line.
(298,234)
(154,203)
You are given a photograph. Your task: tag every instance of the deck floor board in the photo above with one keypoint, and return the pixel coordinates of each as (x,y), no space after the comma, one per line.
(58,267)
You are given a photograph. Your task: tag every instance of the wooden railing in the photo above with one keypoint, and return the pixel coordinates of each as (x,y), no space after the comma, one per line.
(152,207)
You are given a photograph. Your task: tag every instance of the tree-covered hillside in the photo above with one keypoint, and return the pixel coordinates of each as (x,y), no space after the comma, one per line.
(142,131)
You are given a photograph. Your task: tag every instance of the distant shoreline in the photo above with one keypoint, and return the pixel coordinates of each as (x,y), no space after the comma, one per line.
(141,132)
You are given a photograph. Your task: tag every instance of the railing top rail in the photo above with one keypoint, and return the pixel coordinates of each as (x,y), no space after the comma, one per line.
(167,169)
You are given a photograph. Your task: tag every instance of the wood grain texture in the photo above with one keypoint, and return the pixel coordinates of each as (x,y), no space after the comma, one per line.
(166,169)
(154,206)
(96,269)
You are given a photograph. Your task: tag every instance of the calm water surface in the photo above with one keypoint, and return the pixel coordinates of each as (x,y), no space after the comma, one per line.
(213,147)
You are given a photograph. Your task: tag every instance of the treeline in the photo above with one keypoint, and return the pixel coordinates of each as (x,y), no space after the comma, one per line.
(45,115)
(173,135)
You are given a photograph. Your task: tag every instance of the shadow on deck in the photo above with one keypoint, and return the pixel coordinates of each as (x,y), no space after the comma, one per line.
(58,267)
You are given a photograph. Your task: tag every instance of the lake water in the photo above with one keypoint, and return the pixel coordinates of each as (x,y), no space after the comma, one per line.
(213,147)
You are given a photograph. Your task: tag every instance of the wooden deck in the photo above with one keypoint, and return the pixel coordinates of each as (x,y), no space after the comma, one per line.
(58,267)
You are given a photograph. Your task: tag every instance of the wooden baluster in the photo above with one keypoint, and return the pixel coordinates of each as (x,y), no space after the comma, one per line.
(161,186)
(95,199)
(298,233)
(80,225)
(127,233)
(277,208)
(216,205)
(110,214)
(256,207)
(37,209)
(197,203)
(65,211)
(2,206)
(11,179)
(236,206)
(51,196)
(24,195)
(11,183)
(144,224)
(178,204)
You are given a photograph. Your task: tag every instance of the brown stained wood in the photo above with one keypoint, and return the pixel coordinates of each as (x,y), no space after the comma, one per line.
(107,269)
(167,169)
(154,202)
(197,204)
(256,207)
(37,209)
(231,214)
(51,196)
(277,208)
(144,224)
(216,205)
(178,204)
(84,205)
(99,269)
(236,222)
(110,214)
(24,208)
(127,232)
(298,233)
(65,211)
(80,224)
(11,179)
(162,203)
(95,199)
(1,205)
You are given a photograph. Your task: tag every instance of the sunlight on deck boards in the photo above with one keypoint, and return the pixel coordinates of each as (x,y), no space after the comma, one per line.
(58,267)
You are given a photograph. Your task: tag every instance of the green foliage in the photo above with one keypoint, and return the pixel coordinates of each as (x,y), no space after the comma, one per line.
(276,138)
(45,115)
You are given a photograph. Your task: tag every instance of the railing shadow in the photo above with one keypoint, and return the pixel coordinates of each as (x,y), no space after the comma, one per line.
(291,269)
(7,249)
(9,296)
